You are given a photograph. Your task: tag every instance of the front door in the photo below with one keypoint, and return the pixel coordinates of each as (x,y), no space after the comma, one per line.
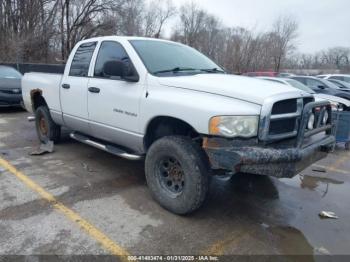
(113,103)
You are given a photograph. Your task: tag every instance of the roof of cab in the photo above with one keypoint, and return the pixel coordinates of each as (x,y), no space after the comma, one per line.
(115,37)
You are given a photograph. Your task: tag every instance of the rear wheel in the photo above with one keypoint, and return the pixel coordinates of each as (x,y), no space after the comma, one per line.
(46,128)
(177,174)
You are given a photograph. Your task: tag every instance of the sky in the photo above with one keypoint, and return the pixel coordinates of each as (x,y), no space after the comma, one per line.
(322,23)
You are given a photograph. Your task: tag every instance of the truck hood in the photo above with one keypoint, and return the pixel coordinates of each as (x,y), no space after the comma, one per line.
(239,87)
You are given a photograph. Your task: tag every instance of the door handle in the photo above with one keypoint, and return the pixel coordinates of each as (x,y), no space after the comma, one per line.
(94,90)
(65,86)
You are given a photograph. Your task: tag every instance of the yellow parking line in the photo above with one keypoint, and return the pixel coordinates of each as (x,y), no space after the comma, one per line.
(218,248)
(341,171)
(91,230)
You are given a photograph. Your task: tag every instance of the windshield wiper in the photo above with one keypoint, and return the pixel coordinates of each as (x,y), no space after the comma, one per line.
(213,70)
(175,70)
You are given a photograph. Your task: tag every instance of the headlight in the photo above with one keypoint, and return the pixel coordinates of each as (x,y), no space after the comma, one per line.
(311,122)
(234,126)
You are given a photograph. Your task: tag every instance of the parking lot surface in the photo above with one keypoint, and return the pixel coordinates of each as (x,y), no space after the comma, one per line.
(80,200)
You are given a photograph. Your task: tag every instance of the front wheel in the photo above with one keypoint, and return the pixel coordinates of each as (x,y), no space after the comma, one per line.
(46,128)
(177,174)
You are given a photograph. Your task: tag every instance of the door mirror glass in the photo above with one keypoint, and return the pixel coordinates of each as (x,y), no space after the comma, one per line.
(114,68)
(321,87)
(120,70)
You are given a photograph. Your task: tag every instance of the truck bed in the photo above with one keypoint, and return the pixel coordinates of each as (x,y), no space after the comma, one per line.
(49,85)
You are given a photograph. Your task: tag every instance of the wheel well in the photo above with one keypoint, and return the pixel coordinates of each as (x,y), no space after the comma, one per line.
(166,126)
(37,99)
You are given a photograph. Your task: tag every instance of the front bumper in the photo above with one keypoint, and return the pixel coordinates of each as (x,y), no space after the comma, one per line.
(282,162)
(285,158)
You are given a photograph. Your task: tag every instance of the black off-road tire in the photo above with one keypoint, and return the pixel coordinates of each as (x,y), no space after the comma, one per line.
(46,128)
(195,170)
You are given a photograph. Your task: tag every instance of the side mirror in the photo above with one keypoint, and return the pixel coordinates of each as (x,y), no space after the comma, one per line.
(120,69)
(321,87)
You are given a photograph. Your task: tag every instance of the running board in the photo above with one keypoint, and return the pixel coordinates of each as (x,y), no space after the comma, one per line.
(108,148)
(31,118)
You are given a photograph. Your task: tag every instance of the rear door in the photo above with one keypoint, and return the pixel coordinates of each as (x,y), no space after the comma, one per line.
(113,103)
(74,88)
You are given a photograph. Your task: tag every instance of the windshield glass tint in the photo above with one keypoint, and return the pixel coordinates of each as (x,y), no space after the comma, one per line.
(9,72)
(160,56)
(300,86)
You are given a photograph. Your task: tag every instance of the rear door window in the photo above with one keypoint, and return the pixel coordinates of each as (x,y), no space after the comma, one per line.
(82,58)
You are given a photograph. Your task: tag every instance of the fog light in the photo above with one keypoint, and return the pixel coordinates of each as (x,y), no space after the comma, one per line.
(310,124)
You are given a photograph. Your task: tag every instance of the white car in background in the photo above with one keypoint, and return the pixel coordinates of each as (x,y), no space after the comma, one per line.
(336,102)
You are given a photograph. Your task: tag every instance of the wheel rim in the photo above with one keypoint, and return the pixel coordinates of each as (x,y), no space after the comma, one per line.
(171,175)
(43,126)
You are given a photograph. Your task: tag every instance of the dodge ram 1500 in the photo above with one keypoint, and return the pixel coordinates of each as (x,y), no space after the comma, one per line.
(168,103)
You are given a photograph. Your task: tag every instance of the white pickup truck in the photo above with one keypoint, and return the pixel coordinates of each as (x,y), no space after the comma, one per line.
(139,97)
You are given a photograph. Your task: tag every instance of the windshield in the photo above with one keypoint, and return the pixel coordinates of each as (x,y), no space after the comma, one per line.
(300,86)
(164,57)
(9,72)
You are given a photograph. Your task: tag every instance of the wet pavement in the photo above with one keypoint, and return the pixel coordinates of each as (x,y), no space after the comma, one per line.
(248,214)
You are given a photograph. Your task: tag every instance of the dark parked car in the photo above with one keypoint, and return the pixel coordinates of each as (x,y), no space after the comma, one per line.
(322,86)
(10,87)
(341,84)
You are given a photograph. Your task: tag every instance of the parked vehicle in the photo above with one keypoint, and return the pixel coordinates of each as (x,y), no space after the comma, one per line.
(285,74)
(337,103)
(140,97)
(341,84)
(10,87)
(322,86)
(341,77)
(267,73)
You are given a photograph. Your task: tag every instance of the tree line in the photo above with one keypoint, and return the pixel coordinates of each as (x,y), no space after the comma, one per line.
(46,30)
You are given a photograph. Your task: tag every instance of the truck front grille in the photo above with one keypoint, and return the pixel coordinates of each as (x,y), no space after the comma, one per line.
(284,107)
(282,126)
(281,119)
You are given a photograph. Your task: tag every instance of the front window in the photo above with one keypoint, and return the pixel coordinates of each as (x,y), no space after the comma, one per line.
(9,72)
(166,58)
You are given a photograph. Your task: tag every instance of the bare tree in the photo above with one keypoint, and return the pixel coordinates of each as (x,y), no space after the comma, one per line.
(157,14)
(282,36)
(81,19)
(26,28)
(190,25)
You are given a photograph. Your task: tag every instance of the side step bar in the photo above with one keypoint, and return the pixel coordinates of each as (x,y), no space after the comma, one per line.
(31,118)
(108,148)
